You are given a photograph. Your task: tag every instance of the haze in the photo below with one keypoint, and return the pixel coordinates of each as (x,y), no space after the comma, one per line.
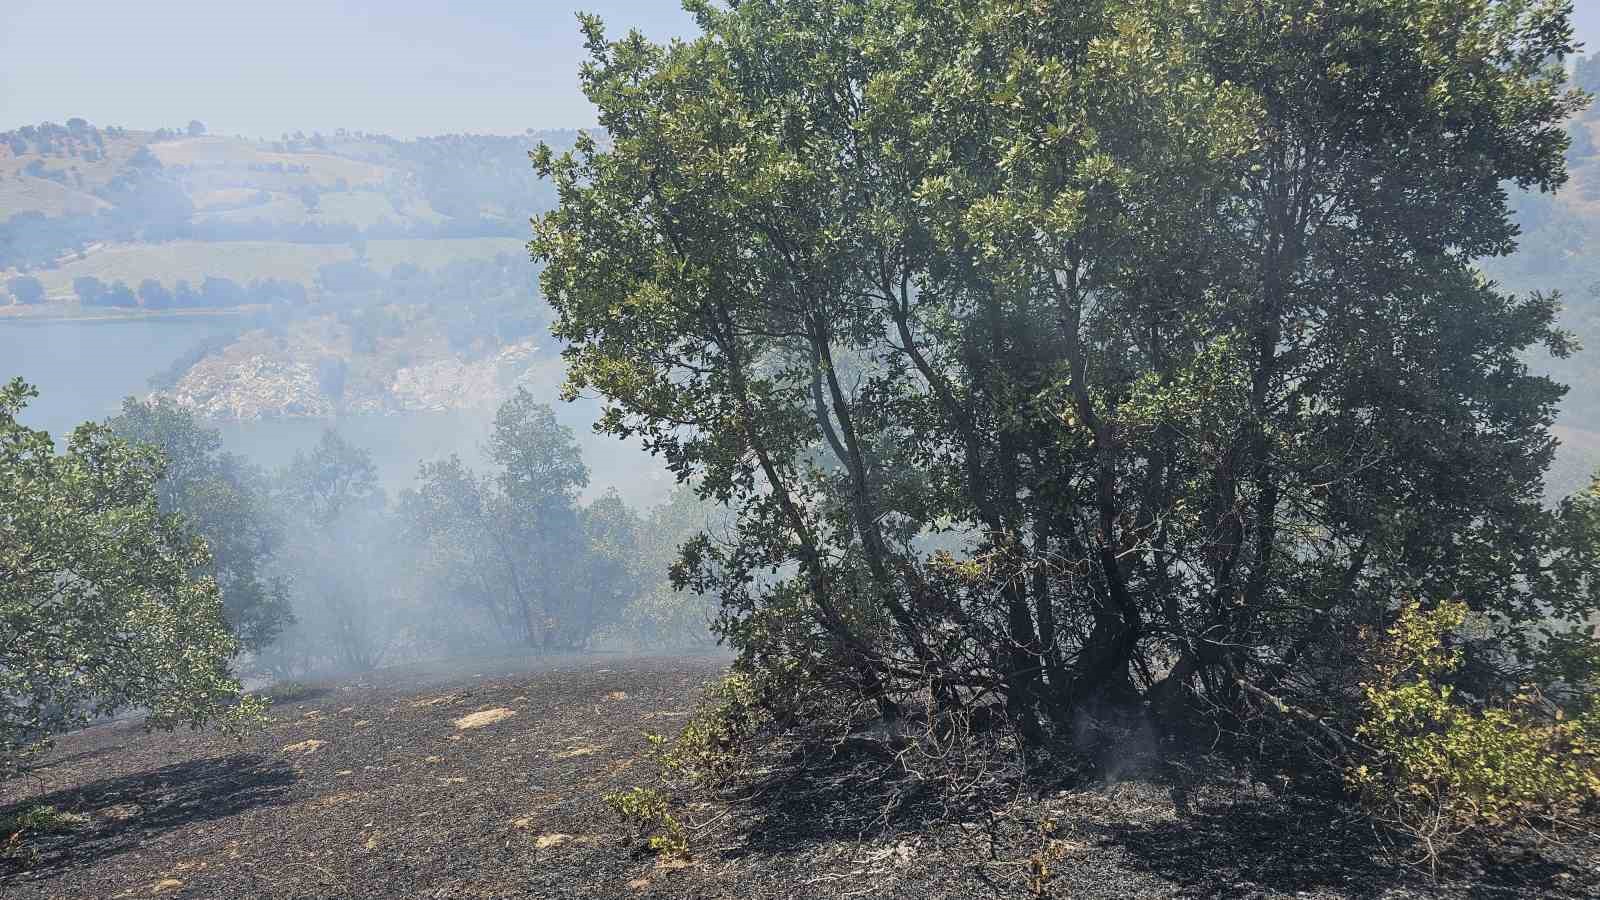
(399,67)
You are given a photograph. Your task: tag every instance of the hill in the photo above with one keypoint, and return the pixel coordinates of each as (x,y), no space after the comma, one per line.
(65,187)
(344,235)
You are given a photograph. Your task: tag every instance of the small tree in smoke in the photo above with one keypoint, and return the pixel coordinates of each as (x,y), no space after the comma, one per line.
(337,556)
(514,541)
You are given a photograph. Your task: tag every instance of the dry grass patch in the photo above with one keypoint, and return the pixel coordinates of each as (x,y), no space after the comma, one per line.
(441,700)
(484,717)
(338,799)
(573,752)
(307,746)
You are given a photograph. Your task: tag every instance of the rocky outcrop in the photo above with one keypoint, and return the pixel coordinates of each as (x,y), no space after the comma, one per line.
(310,374)
(445,384)
(256,386)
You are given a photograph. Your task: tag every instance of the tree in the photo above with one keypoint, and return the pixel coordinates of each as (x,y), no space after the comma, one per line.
(220,292)
(223,499)
(88,288)
(347,607)
(102,606)
(335,479)
(540,463)
(154,295)
(610,575)
(541,472)
(545,572)
(467,564)
(659,614)
(116,294)
(1169,317)
(196,128)
(1586,74)
(26,289)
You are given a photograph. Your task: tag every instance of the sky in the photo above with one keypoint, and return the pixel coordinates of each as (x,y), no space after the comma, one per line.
(264,67)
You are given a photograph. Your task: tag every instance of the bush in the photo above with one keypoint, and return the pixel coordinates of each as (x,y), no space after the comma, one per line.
(31,821)
(1443,766)
(710,748)
(646,808)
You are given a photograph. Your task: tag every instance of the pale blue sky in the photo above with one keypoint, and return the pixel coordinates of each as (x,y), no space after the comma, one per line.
(262,67)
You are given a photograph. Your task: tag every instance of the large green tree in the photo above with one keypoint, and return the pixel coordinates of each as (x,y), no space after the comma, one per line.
(1167,312)
(102,604)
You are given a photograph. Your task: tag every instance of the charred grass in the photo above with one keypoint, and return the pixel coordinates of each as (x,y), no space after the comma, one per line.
(489,784)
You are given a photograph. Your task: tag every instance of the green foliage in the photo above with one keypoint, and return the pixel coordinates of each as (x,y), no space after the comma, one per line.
(714,745)
(647,809)
(30,821)
(659,614)
(1162,323)
(1442,764)
(224,500)
(526,561)
(101,604)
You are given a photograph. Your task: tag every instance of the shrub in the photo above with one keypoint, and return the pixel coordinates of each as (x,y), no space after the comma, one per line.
(31,821)
(1443,766)
(709,748)
(646,808)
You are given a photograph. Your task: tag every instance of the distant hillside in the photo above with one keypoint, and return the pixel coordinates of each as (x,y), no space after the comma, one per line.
(68,191)
(360,273)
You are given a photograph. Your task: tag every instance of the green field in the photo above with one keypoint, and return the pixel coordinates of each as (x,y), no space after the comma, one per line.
(243,261)
(281,208)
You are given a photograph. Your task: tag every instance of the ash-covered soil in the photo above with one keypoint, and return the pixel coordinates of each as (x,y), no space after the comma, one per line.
(484,783)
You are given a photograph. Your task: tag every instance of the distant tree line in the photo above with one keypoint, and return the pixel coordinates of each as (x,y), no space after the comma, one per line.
(212,293)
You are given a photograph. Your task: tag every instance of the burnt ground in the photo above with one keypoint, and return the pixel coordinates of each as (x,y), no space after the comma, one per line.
(371,788)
